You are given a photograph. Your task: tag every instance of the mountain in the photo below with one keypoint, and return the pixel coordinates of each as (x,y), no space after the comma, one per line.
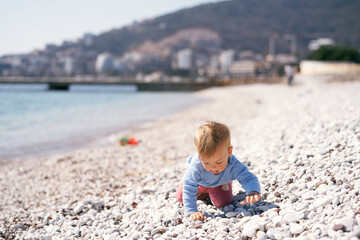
(247,25)
(197,35)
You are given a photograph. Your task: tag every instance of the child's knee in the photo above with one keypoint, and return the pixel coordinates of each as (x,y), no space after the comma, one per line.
(222,195)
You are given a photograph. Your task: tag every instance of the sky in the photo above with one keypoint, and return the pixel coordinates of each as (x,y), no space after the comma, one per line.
(26,25)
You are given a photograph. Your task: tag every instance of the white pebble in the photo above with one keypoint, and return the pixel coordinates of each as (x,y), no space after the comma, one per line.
(296,228)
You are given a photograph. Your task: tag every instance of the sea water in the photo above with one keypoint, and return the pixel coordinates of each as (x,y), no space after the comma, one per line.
(35,121)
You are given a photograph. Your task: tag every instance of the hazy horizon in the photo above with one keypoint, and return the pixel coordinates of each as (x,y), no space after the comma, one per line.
(27,26)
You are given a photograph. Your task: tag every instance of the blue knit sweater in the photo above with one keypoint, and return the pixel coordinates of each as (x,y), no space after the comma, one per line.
(197,175)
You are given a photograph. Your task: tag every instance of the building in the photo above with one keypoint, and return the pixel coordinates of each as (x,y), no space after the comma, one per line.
(285,58)
(132,57)
(213,69)
(119,64)
(243,68)
(68,65)
(4,69)
(104,62)
(184,59)
(226,58)
(250,56)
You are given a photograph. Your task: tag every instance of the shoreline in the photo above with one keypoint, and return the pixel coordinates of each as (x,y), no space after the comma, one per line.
(301,142)
(92,140)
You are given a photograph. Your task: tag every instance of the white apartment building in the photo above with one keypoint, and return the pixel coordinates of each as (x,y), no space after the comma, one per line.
(226,58)
(104,62)
(184,59)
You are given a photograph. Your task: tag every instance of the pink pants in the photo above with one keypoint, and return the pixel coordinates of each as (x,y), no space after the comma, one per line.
(220,196)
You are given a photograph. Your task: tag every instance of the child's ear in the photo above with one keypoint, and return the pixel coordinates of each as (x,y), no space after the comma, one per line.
(230,151)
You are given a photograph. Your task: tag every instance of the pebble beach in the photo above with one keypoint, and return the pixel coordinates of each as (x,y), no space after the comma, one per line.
(302,142)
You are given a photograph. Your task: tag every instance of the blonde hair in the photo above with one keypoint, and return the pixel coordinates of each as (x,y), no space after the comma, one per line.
(209,136)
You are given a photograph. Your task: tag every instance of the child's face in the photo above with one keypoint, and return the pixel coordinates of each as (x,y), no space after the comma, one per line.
(217,162)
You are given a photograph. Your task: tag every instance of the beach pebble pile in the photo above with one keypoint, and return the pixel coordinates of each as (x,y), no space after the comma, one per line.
(302,142)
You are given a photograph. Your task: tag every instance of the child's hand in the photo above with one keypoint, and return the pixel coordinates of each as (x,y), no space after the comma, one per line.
(252,198)
(198,216)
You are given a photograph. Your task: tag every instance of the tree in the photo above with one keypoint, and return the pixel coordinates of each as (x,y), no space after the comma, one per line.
(335,53)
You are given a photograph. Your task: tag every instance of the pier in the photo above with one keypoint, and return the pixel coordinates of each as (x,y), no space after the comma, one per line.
(64,83)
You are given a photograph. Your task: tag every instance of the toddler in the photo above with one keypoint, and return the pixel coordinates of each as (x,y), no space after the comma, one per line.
(211,171)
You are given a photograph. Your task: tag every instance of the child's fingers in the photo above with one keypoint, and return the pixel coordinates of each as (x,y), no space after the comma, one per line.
(246,200)
(198,216)
(252,199)
(195,217)
(202,217)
